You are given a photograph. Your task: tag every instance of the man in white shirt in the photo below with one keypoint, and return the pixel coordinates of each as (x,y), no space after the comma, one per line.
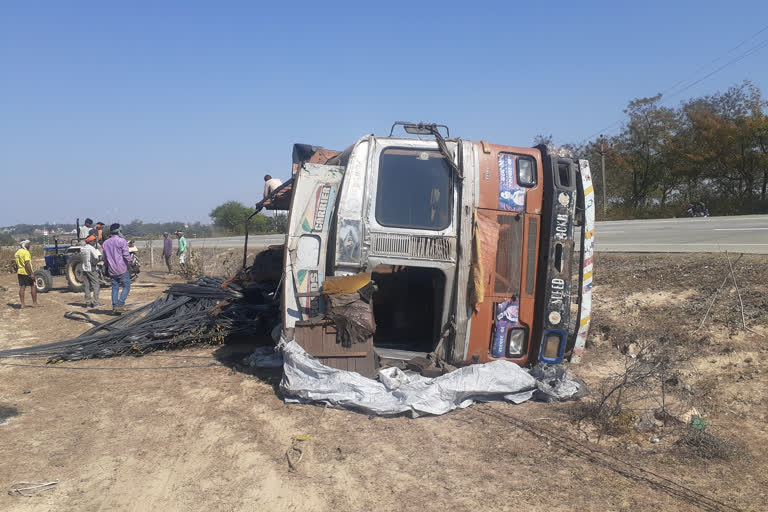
(85,230)
(89,258)
(270,185)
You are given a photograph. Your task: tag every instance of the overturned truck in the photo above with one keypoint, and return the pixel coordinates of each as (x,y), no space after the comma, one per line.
(468,251)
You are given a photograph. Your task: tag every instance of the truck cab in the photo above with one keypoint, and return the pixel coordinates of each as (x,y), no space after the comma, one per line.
(478,251)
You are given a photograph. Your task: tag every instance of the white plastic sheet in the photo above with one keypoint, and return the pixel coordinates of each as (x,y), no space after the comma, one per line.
(265,357)
(306,379)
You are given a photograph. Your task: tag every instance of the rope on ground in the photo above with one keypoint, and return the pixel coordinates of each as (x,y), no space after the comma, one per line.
(30,488)
(80,317)
(714,296)
(613,463)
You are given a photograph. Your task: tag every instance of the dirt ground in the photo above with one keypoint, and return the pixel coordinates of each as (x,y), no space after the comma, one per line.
(189,430)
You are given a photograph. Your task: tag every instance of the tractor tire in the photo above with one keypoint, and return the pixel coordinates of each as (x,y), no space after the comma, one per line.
(74,273)
(43,281)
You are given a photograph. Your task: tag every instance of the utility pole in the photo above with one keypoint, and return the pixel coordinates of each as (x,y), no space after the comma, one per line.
(602,167)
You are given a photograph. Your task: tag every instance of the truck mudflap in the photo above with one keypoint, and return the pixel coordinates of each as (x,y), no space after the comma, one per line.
(586,205)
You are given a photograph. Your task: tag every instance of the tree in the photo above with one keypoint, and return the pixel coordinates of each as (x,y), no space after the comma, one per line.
(727,131)
(277,224)
(644,141)
(6,239)
(231,216)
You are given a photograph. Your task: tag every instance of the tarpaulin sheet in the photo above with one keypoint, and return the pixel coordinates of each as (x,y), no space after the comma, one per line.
(307,380)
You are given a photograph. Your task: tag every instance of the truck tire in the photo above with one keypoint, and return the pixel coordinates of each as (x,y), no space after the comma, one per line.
(43,281)
(74,273)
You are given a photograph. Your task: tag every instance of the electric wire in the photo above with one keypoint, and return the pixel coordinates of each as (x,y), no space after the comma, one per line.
(667,93)
(749,52)
(669,90)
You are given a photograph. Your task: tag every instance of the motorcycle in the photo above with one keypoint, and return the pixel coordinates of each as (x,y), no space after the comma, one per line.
(697,210)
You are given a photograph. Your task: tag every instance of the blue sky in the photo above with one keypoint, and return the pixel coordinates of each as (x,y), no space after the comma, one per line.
(163,110)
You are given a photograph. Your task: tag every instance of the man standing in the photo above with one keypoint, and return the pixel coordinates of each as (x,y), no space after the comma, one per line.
(24,273)
(270,185)
(85,230)
(182,250)
(97,231)
(167,250)
(118,259)
(89,258)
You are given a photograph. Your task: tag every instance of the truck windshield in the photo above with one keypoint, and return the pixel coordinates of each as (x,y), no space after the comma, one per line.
(414,189)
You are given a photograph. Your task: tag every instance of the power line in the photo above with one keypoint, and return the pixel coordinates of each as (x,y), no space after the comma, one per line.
(668,90)
(750,51)
(754,49)
(601,130)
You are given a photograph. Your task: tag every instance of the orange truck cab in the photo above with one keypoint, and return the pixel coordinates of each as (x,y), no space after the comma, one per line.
(478,251)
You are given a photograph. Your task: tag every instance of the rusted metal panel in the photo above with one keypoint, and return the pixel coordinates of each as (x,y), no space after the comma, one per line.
(488,176)
(318,338)
(312,208)
(457,352)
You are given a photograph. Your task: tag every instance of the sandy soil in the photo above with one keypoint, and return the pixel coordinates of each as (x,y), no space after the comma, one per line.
(189,430)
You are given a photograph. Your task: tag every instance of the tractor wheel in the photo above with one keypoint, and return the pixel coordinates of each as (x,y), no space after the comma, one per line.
(74,273)
(43,281)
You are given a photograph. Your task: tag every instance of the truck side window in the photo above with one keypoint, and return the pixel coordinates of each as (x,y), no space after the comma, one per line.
(414,189)
(526,171)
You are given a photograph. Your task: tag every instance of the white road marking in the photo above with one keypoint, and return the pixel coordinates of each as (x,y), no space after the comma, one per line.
(739,229)
(675,244)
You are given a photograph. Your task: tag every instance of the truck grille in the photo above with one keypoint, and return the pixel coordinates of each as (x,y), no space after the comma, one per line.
(414,246)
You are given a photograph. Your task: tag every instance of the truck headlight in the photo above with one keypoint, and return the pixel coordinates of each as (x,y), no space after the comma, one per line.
(516,342)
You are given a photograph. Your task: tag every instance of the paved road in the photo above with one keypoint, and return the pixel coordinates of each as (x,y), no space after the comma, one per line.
(746,233)
(743,233)
(222,243)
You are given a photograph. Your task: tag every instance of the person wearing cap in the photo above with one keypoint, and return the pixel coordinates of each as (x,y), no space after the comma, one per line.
(89,258)
(24,273)
(182,250)
(118,260)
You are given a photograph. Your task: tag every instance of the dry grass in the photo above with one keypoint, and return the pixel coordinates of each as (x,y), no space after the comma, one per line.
(207,261)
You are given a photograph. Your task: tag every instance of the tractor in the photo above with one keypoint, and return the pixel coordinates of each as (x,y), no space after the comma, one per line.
(64,260)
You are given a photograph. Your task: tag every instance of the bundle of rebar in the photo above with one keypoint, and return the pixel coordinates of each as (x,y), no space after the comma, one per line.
(206,310)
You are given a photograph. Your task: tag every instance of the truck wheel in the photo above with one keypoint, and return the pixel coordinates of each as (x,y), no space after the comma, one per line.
(74,273)
(43,281)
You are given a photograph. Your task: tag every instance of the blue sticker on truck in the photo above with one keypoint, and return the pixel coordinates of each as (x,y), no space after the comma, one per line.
(511,195)
(507,316)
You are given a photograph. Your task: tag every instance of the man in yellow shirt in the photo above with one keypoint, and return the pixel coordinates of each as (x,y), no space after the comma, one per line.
(24,273)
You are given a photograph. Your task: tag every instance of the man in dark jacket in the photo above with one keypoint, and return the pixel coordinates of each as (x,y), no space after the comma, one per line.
(167,250)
